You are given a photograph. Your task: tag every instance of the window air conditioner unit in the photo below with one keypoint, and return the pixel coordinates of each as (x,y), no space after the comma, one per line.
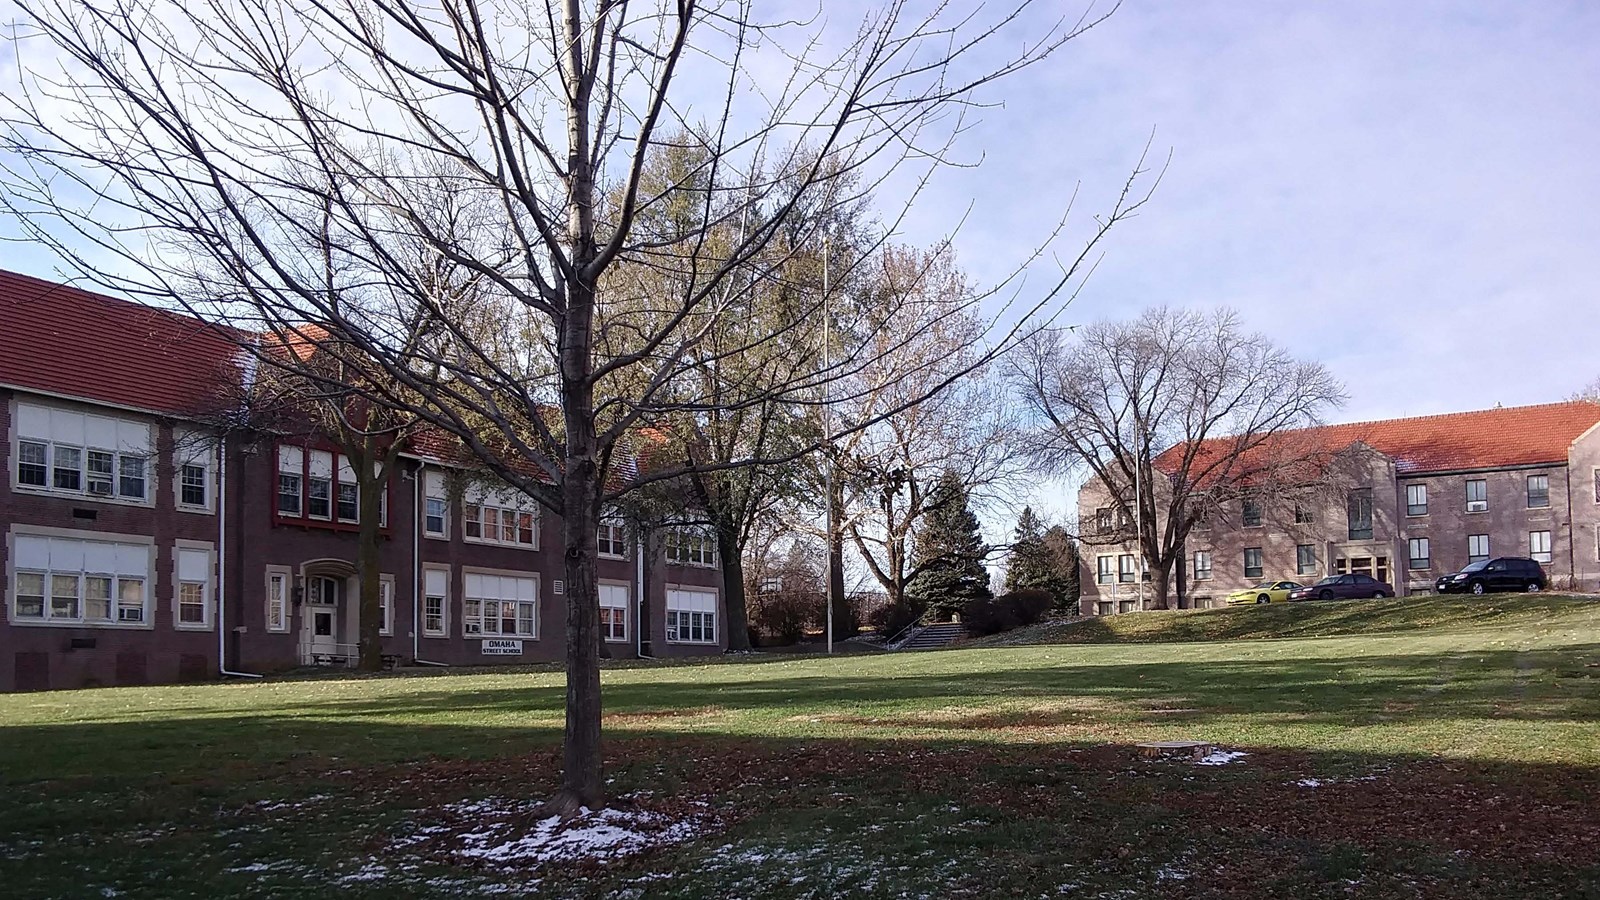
(100,488)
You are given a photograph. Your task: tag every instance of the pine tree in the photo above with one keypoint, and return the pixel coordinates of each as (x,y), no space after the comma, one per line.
(1061,553)
(949,552)
(1028,565)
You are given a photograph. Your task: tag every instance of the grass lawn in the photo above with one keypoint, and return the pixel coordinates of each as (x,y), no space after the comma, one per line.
(1407,748)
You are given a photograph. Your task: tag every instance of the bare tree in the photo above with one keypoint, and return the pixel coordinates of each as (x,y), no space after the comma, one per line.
(1195,389)
(1589,392)
(214,153)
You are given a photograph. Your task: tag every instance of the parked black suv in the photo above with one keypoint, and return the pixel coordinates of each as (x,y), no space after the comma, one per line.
(1489,576)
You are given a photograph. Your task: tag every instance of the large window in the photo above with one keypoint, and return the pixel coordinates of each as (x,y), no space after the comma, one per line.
(1305,559)
(613,612)
(1103,569)
(67,452)
(277,601)
(435,506)
(500,604)
(1358,509)
(1477,547)
(1251,515)
(1416,499)
(690,546)
(1202,565)
(613,539)
(435,590)
(1538,491)
(1477,495)
(1421,553)
(80,582)
(1539,545)
(499,517)
(691,617)
(1252,562)
(1125,568)
(320,486)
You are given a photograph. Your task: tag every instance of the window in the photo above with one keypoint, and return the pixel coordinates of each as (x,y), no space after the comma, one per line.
(1358,509)
(1477,495)
(1202,565)
(73,581)
(1421,553)
(500,604)
(349,508)
(32,471)
(1597,485)
(1416,499)
(1102,570)
(277,601)
(613,612)
(434,516)
(291,468)
(194,588)
(386,605)
(1538,491)
(435,587)
(691,617)
(1251,515)
(500,519)
(79,453)
(613,539)
(1539,546)
(1252,562)
(1305,559)
(319,484)
(1302,513)
(1102,520)
(192,480)
(1125,568)
(688,546)
(1477,547)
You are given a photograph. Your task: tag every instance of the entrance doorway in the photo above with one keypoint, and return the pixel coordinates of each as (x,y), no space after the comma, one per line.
(320,637)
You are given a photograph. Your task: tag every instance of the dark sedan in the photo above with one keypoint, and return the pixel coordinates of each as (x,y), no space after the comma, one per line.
(1344,587)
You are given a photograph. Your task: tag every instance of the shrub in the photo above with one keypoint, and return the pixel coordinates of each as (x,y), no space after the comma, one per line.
(892,618)
(1005,612)
(780,619)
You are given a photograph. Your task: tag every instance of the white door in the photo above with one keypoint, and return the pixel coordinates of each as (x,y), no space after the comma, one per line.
(320,624)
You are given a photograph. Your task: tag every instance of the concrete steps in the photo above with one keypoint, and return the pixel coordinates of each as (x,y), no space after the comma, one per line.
(932,637)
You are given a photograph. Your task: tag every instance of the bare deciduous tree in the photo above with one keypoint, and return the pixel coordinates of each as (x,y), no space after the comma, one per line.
(1193,388)
(226,154)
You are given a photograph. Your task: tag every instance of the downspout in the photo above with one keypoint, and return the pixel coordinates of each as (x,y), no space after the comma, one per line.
(1572,531)
(222,564)
(418,477)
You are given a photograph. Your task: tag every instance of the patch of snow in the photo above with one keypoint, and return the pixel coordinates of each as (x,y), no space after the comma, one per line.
(1221,757)
(1312,782)
(372,871)
(498,832)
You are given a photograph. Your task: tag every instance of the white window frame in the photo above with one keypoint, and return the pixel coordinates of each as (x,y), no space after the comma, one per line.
(1105,569)
(206,583)
(54,444)
(1412,546)
(443,596)
(280,592)
(475,624)
(1539,546)
(199,451)
(1127,569)
(386,605)
(1420,488)
(608,632)
(1480,505)
(472,515)
(611,535)
(119,581)
(1488,552)
(682,623)
(690,545)
(1202,565)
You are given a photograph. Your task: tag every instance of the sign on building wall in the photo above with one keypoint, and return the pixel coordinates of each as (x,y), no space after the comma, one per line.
(501,647)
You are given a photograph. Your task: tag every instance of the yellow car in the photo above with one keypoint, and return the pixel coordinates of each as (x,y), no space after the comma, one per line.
(1265,592)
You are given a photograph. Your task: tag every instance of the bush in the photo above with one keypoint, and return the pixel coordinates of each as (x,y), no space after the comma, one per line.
(780,619)
(1006,611)
(890,619)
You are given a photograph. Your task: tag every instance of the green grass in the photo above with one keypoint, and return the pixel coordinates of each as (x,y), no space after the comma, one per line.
(1462,738)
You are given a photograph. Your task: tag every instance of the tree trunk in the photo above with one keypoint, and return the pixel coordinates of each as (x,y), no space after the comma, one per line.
(1160,582)
(368,545)
(734,612)
(580,776)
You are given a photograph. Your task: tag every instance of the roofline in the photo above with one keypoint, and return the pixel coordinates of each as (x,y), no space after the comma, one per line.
(106,403)
(1434,473)
(1586,432)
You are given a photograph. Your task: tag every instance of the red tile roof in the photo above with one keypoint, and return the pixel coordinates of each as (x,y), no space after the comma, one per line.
(62,340)
(1481,439)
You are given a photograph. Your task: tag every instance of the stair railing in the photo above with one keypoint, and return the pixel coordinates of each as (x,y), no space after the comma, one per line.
(906,634)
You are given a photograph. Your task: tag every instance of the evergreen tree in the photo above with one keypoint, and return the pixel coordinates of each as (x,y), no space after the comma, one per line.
(949,553)
(1029,564)
(1061,553)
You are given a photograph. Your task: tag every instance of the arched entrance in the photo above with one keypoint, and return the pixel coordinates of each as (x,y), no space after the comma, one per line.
(327,624)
